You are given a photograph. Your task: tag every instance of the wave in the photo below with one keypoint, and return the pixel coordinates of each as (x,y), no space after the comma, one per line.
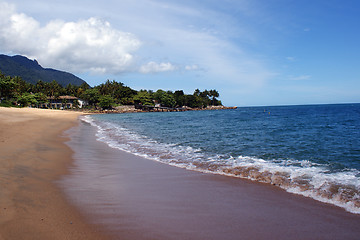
(341,188)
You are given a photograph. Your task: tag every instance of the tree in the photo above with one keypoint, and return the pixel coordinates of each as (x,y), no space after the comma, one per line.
(124,93)
(179,98)
(197,92)
(91,95)
(117,90)
(8,87)
(43,87)
(214,94)
(166,99)
(71,90)
(106,101)
(22,86)
(14,89)
(193,101)
(127,101)
(41,98)
(143,97)
(27,99)
(55,89)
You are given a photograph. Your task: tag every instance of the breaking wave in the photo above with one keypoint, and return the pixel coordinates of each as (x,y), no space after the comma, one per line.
(318,181)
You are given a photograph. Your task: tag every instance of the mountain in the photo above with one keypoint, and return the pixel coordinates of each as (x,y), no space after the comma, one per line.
(32,72)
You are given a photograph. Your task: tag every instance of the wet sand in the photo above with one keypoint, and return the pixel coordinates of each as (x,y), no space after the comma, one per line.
(135,198)
(32,157)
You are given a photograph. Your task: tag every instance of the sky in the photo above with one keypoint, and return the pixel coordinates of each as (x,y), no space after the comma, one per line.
(254,52)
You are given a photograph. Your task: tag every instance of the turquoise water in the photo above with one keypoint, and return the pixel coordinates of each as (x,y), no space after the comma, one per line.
(311,150)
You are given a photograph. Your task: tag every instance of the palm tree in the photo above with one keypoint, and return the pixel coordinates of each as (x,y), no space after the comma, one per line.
(214,94)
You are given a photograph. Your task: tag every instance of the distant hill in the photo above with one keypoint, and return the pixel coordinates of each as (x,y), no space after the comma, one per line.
(30,71)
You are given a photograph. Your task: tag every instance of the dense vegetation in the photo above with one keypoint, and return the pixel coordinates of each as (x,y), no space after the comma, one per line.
(14,91)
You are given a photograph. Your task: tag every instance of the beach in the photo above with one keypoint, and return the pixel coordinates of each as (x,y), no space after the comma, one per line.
(33,156)
(136,198)
(59,182)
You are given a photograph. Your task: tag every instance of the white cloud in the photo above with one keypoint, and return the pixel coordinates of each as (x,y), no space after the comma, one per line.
(153,67)
(90,45)
(192,67)
(184,33)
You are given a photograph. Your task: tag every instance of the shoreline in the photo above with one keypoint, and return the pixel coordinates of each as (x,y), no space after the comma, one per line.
(142,109)
(59,182)
(135,198)
(33,157)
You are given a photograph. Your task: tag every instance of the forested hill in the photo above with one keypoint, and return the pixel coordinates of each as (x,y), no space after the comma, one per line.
(32,72)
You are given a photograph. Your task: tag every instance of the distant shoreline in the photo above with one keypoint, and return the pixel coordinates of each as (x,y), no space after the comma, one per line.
(134,109)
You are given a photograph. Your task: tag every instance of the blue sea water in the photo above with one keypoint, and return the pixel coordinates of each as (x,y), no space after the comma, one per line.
(313,150)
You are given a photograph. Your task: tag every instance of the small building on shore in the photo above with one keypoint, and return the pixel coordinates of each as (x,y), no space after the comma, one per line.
(65,102)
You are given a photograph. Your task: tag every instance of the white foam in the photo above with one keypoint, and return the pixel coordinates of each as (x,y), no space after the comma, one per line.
(301,177)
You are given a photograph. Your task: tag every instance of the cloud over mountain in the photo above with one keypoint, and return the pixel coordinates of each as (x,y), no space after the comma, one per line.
(90,45)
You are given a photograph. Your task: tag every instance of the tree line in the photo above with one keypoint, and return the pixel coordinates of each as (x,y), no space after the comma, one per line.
(16,92)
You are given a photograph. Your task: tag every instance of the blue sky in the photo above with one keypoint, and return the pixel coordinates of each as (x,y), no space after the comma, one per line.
(254,52)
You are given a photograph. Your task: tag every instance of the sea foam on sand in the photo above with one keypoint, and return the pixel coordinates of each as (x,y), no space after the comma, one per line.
(136,198)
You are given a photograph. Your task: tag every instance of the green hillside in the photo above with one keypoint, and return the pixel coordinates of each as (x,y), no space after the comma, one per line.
(32,72)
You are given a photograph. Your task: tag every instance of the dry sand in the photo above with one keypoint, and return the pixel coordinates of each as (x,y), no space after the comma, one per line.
(32,156)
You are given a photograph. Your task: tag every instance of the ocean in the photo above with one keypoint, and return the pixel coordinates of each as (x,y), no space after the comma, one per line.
(311,150)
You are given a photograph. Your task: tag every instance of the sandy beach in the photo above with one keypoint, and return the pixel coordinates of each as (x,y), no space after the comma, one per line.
(32,157)
(58,184)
